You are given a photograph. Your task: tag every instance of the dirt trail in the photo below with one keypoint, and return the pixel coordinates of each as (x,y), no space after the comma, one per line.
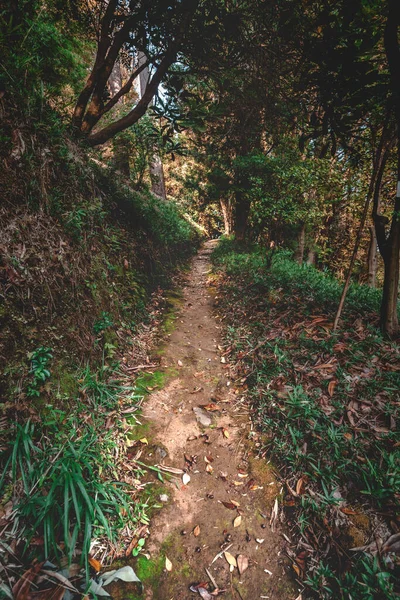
(222,446)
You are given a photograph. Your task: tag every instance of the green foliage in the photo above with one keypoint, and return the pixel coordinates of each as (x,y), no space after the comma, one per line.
(103,323)
(70,492)
(38,372)
(39,51)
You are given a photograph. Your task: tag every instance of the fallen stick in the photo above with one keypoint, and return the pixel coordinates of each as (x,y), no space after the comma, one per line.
(211,578)
(140,367)
(219,555)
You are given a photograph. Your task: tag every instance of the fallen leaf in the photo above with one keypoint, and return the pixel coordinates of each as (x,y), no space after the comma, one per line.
(180,363)
(300,487)
(347,511)
(331,387)
(204,593)
(185,478)
(225,433)
(260,540)
(168,564)
(144,441)
(97,589)
(21,589)
(191,438)
(196,531)
(211,407)
(209,468)
(95,564)
(237,521)
(242,563)
(126,574)
(230,559)
(231,505)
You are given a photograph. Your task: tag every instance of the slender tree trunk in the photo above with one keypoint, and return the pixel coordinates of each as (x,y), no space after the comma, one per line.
(121,151)
(155,164)
(242,212)
(372,258)
(301,242)
(311,257)
(226,209)
(389,316)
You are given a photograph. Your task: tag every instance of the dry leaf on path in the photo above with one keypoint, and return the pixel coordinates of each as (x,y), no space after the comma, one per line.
(230,559)
(168,564)
(231,505)
(211,407)
(196,531)
(185,478)
(180,363)
(242,563)
(237,521)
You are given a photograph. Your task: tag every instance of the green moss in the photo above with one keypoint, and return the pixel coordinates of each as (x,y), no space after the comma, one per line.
(64,381)
(149,570)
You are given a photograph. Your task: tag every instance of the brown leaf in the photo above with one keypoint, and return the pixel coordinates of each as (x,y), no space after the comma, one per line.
(95,564)
(331,387)
(168,564)
(209,469)
(196,531)
(21,589)
(225,433)
(231,505)
(242,563)
(300,487)
(211,407)
(237,521)
(347,511)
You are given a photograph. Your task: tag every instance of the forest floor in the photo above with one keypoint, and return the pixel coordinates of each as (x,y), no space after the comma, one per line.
(221,505)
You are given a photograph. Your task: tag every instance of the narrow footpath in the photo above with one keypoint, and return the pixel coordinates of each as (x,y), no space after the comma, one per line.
(200,422)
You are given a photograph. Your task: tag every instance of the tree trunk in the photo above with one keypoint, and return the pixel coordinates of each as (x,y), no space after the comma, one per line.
(242,212)
(301,242)
(155,164)
(391,253)
(121,151)
(226,209)
(389,317)
(311,257)
(372,258)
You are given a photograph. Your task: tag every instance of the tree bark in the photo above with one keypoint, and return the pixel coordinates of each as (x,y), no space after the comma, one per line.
(311,257)
(301,242)
(372,258)
(155,165)
(227,214)
(391,245)
(242,212)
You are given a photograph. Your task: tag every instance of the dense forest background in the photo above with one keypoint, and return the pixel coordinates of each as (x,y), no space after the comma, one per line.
(132,130)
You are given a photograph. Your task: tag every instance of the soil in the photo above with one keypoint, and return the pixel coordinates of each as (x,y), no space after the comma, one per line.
(222,462)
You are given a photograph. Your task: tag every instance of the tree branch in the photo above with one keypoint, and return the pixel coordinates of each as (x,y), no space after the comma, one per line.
(124,89)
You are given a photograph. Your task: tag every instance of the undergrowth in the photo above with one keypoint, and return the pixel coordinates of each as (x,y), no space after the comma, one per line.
(327,407)
(63,472)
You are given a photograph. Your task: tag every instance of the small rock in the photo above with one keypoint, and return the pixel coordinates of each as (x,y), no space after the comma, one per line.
(202,417)
(164,498)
